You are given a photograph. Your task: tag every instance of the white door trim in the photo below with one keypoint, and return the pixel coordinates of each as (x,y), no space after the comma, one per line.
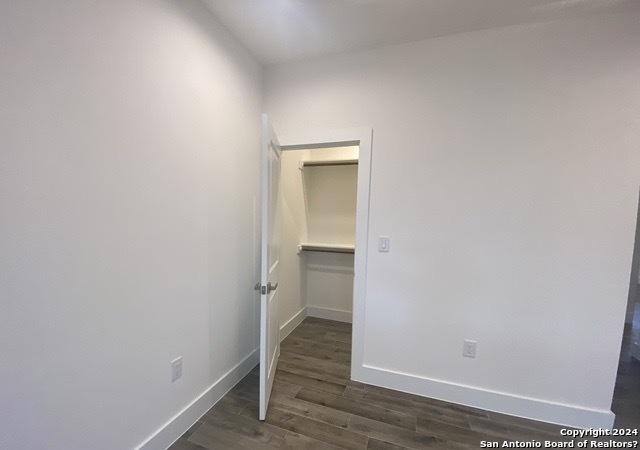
(363,137)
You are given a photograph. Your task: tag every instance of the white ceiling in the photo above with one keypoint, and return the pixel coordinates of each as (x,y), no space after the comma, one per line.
(281,30)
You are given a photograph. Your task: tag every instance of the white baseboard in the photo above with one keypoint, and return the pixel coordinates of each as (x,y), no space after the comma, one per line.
(529,408)
(329,314)
(175,427)
(292,323)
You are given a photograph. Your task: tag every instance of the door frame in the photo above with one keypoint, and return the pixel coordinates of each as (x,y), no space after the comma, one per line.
(342,137)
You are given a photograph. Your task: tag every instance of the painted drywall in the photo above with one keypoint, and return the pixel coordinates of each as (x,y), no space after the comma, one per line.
(128,178)
(318,205)
(291,276)
(331,203)
(329,285)
(505,169)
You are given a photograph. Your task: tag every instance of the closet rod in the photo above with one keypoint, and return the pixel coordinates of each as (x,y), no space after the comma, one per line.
(334,162)
(327,248)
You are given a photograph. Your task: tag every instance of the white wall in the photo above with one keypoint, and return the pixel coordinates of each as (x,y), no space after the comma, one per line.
(318,205)
(506,171)
(292,279)
(329,285)
(128,172)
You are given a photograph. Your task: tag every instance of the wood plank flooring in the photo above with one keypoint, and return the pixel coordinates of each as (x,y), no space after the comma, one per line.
(314,405)
(626,397)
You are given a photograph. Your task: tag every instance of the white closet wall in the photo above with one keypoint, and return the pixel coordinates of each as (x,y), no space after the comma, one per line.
(330,193)
(318,206)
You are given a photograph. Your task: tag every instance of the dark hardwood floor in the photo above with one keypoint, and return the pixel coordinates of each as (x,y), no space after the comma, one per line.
(314,405)
(626,397)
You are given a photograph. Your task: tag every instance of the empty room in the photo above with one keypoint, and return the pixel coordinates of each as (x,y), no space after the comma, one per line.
(319,224)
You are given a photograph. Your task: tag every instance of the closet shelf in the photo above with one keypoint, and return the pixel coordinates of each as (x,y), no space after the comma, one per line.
(328,248)
(333,162)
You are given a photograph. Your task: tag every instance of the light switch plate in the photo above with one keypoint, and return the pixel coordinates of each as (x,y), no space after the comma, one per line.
(176,369)
(384,244)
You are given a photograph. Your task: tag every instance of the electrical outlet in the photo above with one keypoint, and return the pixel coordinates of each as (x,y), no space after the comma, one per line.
(176,369)
(469,348)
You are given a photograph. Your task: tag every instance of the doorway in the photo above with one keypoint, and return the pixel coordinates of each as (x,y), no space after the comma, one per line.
(348,137)
(318,212)
(318,209)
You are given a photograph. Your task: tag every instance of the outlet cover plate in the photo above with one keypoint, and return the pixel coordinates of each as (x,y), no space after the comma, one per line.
(469,348)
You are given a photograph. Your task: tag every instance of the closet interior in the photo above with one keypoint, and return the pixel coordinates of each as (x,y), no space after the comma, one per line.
(318,221)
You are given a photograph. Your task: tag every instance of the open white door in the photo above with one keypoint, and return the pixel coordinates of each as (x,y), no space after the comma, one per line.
(270,258)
